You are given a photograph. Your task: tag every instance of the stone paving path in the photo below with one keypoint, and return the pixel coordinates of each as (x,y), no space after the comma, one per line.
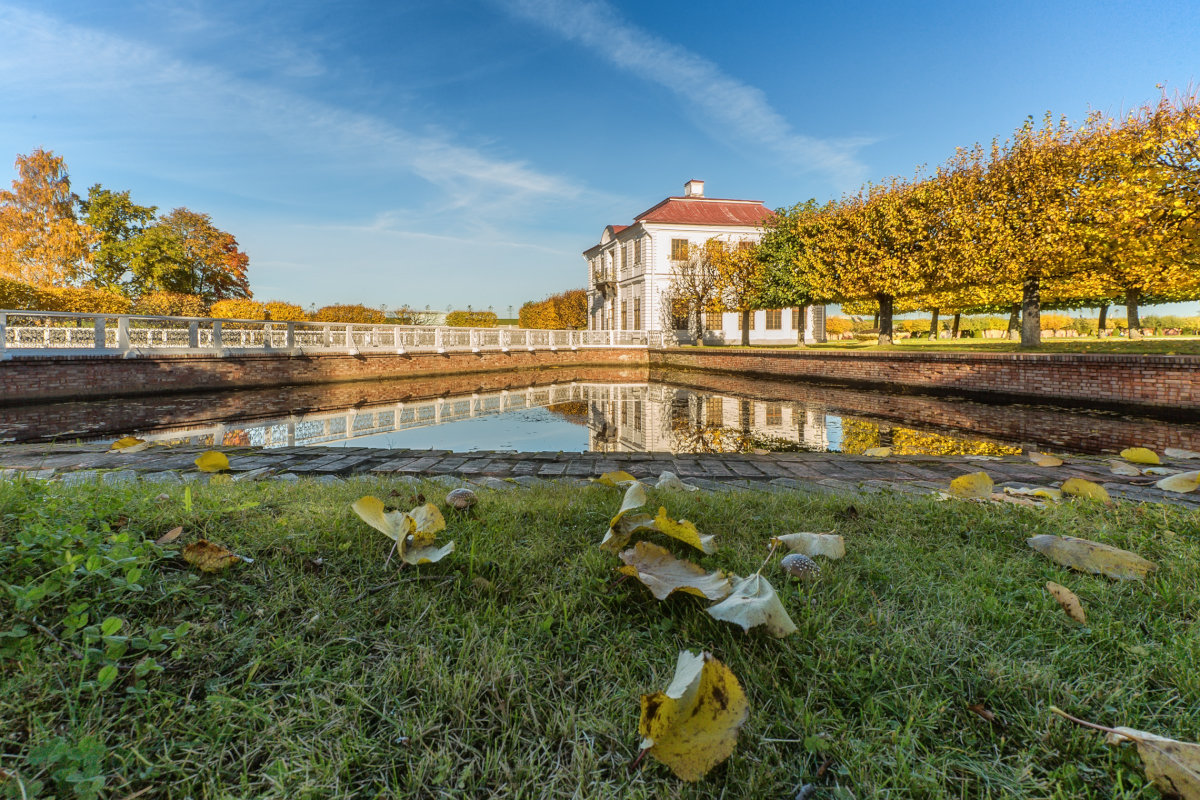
(776,472)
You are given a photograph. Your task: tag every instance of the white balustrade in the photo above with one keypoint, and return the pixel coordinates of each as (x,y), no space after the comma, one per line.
(42,333)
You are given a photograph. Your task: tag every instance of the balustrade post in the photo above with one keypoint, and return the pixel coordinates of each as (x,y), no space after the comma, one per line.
(350,345)
(123,334)
(612,337)
(437,339)
(194,335)
(290,343)
(328,335)
(100,335)
(473,339)
(3,336)
(217,342)
(267,336)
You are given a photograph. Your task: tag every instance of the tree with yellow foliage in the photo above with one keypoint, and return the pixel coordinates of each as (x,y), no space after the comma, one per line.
(41,239)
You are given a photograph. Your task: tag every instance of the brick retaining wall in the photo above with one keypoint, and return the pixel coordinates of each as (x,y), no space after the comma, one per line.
(24,380)
(1169,384)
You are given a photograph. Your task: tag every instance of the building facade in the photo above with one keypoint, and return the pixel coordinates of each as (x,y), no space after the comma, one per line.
(631,270)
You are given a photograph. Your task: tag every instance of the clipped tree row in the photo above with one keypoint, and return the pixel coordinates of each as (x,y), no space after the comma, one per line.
(1056,217)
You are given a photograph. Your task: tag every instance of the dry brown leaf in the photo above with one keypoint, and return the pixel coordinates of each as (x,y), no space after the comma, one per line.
(1093,557)
(170,535)
(979,709)
(662,573)
(209,557)
(1172,766)
(1068,600)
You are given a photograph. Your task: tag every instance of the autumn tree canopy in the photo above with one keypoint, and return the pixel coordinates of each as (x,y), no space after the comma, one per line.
(41,239)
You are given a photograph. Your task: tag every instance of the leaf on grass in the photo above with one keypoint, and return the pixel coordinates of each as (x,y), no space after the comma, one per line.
(212,461)
(1099,559)
(1172,766)
(982,711)
(1183,482)
(1068,600)
(684,531)
(1042,492)
(614,479)
(662,573)
(1121,468)
(753,602)
(1140,455)
(209,557)
(128,444)
(829,545)
(619,528)
(427,521)
(170,535)
(693,725)
(975,484)
(669,480)
(878,452)
(396,525)
(1080,487)
(1175,452)
(1045,460)
(426,554)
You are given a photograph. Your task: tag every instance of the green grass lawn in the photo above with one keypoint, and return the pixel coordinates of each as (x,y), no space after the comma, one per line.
(514,667)
(1161,345)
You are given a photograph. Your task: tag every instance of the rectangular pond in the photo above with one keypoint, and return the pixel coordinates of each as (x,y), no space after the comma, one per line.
(603,410)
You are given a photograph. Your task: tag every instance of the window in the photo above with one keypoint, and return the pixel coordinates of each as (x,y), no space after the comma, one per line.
(624,413)
(739,319)
(637,313)
(775,414)
(679,249)
(624,315)
(714,412)
(774,319)
(637,251)
(797,322)
(745,244)
(637,415)
(712,321)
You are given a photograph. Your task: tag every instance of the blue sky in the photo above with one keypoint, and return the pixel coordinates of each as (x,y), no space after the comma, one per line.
(465,151)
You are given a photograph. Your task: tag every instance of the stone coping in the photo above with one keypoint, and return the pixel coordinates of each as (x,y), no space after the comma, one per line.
(941,355)
(777,472)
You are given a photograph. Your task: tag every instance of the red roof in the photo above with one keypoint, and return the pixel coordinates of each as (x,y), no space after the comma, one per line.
(618,228)
(707,211)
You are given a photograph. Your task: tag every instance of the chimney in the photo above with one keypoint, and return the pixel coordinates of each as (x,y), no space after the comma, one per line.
(693,188)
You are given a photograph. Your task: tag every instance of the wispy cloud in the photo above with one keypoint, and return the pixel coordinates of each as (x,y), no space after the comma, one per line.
(134,89)
(740,109)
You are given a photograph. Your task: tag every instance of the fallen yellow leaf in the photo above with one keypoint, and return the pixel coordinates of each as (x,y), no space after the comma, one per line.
(622,526)
(1045,460)
(1183,482)
(1080,487)
(212,461)
(975,484)
(128,444)
(878,452)
(693,725)
(209,557)
(1068,600)
(662,573)
(1094,557)
(426,554)
(427,521)
(684,531)
(753,602)
(1140,455)
(614,479)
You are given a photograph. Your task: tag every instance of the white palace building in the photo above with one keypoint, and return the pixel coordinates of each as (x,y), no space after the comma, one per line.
(631,268)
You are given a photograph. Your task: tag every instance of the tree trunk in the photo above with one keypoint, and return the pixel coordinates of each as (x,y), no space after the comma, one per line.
(1131,313)
(954,330)
(1031,313)
(875,322)
(885,318)
(1102,323)
(803,326)
(696,324)
(933,324)
(1014,322)
(746,328)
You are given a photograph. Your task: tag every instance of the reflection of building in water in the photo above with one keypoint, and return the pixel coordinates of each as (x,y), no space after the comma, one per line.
(665,419)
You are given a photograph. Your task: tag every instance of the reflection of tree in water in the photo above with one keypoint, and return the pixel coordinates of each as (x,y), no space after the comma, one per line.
(238,438)
(690,431)
(575,411)
(860,434)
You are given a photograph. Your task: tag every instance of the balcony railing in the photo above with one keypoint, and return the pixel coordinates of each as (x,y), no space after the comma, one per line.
(42,333)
